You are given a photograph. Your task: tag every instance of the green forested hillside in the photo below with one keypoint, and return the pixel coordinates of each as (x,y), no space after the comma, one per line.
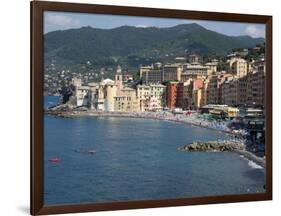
(132,46)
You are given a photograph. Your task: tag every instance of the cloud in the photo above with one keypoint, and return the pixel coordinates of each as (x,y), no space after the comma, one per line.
(254,31)
(61,22)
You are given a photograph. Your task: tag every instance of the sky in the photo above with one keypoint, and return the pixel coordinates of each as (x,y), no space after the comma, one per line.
(66,20)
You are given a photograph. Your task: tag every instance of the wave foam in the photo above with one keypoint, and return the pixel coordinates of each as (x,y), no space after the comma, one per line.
(254,165)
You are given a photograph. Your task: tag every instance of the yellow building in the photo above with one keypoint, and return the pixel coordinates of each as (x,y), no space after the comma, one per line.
(197,98)
(228,112)
(143,93)
(127,101)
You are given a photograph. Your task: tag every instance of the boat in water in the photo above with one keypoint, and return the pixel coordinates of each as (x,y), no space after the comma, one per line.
(92,151)
(54,160)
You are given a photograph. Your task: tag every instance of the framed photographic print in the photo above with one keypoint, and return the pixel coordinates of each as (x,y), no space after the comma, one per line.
(140,107)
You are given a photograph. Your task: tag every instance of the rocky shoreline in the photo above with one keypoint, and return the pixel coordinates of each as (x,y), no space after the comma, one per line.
(223,146)
(213,146)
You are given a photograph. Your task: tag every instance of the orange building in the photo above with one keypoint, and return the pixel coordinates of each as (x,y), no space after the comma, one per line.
(180,95)
(172,95)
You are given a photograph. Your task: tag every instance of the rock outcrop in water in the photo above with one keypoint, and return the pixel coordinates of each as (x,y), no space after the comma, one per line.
(213,146)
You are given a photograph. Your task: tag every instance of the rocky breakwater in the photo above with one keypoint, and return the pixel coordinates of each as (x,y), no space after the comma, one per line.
(213,146)
(65,110)
(224,146)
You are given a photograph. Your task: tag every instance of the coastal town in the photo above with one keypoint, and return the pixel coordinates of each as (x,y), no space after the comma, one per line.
(187,86)
(172,110)
(229,98)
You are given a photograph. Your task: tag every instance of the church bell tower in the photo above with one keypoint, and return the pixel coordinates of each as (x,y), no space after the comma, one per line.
(119,79)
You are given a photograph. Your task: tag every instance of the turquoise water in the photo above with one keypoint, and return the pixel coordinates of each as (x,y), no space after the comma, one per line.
(137,159)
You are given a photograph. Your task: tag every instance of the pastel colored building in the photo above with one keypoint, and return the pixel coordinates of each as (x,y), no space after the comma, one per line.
(151,97)
(238,67)
(212,89)
(256,84)
(127,101)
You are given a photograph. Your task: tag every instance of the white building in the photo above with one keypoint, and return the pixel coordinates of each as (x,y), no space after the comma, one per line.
(110,94)
(82,95)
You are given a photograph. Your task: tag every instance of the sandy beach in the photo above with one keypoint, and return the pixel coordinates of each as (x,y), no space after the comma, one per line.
(168,116)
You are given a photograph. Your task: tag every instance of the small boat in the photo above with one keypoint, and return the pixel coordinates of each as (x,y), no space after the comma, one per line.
(54,160)
(92,151)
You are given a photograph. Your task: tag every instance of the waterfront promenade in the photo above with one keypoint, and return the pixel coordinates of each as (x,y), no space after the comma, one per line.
(162,115)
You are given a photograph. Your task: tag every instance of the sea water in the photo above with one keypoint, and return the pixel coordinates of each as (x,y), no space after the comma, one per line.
(137,159)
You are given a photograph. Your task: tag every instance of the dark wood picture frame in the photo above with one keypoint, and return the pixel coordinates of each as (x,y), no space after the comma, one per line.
(37,9)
